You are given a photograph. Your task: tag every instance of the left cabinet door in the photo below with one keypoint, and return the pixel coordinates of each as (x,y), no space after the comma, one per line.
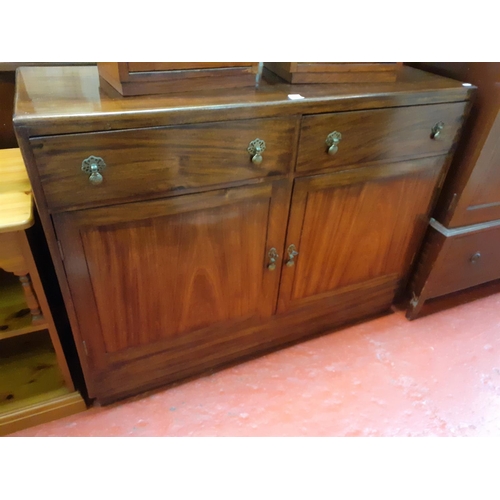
(161,288)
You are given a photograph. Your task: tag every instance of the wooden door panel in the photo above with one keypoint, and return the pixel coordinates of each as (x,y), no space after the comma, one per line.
(145,275)
(177,273)
(353,227)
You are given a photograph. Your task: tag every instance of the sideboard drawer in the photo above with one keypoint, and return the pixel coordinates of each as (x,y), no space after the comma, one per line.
(152,162)
(372,135)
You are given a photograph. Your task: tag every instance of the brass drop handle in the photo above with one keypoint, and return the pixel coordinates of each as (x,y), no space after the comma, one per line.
(436,130)
(332,141)
(94,165)
(273,257)
(256,148)
(292,253)
(475,257)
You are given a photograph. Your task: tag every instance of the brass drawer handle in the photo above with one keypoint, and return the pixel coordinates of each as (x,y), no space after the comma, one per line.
(332,141)
(292,253)
(273,257)
(475,257)
(94,165)
(436,130)
(256,148)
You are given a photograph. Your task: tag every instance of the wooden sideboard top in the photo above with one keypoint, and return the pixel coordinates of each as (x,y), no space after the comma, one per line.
(57,100)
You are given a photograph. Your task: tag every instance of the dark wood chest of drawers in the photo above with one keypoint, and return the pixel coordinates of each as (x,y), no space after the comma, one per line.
(192,230)
(461,246)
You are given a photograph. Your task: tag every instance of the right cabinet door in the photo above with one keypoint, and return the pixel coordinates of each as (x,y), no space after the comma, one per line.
(355,230)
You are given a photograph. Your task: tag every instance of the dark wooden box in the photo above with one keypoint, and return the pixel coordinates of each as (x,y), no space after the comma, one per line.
(317,72)
(142,78)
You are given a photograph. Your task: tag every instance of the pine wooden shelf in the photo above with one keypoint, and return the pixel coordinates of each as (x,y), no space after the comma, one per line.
(28,369)
(32,387)
(23,331)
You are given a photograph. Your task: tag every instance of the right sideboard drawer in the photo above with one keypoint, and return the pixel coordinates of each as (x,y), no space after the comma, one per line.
(380,134)
(150,163)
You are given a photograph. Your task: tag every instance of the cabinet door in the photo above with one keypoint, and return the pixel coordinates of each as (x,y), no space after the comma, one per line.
(356,229)
(170,275)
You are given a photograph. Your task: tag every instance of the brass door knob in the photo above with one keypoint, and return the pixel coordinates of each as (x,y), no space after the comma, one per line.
(94,165)
(256,148)
(273,257)
(292,253)
(436,130)
(332,141)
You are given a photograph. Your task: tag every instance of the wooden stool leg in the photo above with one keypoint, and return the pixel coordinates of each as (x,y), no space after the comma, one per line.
(31,300)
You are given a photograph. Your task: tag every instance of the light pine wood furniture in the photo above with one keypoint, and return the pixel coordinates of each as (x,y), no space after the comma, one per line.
(191,230)
(35,387)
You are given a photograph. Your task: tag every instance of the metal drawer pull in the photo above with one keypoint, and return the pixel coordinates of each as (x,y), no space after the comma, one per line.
(475,257)
(292,253)
(436,130)
(94,165)
(332,141)
(273,257)
(256,148)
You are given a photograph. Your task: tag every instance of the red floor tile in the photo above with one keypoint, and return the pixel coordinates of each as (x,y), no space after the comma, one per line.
(436,376)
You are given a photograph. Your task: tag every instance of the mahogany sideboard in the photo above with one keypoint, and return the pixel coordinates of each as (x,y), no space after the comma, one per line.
(191,230)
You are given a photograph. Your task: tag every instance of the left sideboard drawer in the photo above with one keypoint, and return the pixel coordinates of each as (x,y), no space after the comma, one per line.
(149,163)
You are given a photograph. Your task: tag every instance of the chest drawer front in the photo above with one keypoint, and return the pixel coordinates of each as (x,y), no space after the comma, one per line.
(467,260)
(152,162)
(365,136)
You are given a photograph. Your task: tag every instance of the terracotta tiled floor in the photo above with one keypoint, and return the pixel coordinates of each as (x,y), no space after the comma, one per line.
(436,376)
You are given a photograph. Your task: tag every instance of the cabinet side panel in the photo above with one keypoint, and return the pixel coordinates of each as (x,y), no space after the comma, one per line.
(480,201)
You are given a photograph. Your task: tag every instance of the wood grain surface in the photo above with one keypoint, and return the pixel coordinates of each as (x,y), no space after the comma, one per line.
(152,162)
(317,72)
(354,226)
(134,79)
(160,270)
(68,100)
(164,266)
(449,263)
(377,135)
(174,66)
